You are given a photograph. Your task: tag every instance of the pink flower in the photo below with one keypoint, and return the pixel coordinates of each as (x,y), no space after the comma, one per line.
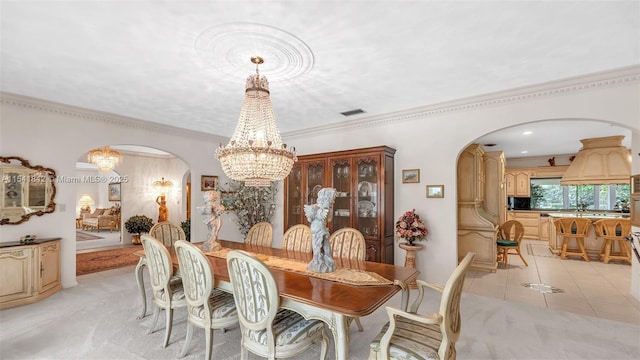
(409,226)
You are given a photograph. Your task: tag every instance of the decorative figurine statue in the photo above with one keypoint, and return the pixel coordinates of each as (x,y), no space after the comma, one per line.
(318,215)
(213,219)
(163,210)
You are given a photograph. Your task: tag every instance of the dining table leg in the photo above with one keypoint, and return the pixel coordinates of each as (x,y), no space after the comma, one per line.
(139,279)
(341,336)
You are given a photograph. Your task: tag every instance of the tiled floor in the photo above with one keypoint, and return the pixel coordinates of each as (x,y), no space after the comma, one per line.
(588,288)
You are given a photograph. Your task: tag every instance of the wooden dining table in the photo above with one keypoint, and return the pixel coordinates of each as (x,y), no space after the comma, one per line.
(333,302)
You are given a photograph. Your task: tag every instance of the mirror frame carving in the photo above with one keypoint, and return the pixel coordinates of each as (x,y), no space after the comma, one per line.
(51,206)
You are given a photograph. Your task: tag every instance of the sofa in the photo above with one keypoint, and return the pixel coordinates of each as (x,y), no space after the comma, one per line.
(101,219)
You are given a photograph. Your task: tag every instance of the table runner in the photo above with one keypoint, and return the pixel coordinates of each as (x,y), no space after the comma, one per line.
(344,275)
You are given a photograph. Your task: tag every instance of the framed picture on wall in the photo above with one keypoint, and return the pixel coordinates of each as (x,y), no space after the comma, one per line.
(411,176)
(435,191)
(114,192)
(208,183)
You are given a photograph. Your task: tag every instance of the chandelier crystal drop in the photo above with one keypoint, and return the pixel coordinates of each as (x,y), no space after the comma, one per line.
(104,158)
(255,154)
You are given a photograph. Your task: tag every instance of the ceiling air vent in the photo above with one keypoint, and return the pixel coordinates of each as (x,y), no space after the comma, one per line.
(352,112)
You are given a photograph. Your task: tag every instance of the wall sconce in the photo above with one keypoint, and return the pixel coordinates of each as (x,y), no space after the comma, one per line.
(161,187)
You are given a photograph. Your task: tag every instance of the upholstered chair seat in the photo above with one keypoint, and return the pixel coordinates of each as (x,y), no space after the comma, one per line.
(412,340)
(289,328)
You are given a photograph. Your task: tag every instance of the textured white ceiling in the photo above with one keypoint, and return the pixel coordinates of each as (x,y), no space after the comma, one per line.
(184,63)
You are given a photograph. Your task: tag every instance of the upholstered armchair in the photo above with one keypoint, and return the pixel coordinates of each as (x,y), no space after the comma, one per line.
(100,219)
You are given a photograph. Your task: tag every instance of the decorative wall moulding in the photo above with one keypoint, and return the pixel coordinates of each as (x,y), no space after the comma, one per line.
(616,77)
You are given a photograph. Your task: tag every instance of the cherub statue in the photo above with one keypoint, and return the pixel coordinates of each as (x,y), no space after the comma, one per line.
(213,219)
(318,214)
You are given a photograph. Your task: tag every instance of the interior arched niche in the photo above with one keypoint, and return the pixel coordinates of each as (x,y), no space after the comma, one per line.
(135,173)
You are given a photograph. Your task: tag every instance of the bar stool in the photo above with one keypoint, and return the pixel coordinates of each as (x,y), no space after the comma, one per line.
(613,231)
(573,228)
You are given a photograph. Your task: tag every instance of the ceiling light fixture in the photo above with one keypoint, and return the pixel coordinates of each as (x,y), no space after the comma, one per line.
(255,154)
(104,158)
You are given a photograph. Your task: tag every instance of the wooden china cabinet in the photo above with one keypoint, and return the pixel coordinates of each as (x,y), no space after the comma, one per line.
(363,179)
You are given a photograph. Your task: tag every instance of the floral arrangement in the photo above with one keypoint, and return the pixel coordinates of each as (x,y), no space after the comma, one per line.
(251,204)
(410,227)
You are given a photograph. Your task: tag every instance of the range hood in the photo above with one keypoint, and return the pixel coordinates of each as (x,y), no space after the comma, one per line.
(601,161)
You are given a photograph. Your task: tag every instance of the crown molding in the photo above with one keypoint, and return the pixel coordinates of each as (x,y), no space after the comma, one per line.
(609,78)
(100,116)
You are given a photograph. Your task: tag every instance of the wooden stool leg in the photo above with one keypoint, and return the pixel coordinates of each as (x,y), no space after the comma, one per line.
(565,243)
(607,251)
(580,242)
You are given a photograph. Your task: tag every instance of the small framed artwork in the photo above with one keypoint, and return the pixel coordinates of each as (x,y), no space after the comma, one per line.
(114,192)
(411,176)
(208,183)
(228,199)
(435,191)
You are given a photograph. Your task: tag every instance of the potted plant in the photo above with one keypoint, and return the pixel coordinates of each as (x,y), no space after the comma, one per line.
(411,228)
(186,227)
(137,225)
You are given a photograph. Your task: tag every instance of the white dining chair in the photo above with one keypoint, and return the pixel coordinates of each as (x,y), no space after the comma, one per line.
(268,330)
(208,308)
(168,293)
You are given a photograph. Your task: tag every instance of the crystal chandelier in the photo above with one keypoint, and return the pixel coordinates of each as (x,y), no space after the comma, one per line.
(104,158)
(255,154)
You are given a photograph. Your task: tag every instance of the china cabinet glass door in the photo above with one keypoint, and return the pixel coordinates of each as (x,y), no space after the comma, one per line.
(294,197)
(367,196)
(315,180)
(341,181)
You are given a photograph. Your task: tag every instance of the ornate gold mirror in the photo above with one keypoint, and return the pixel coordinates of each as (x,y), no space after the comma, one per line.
(26,190)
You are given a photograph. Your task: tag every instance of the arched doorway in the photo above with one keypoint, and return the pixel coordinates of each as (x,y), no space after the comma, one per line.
(133,179)
(548,146)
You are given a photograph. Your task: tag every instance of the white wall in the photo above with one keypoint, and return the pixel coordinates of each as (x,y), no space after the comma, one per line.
(429,139)
(57,135)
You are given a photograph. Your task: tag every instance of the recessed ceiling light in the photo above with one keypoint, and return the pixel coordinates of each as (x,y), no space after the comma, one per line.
(527,133)
(524,152)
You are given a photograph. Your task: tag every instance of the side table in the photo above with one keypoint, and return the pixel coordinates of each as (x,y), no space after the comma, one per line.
(410,260)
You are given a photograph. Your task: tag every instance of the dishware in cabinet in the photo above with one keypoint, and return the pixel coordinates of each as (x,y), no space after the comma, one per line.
(307,177)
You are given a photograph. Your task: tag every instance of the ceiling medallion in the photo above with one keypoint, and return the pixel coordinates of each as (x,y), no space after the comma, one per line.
(225,46)
(255,154)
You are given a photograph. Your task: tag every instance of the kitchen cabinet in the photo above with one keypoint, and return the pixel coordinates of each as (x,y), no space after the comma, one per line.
(29,272)
(518,183)
(495,202)
(476,230)
(545,230)
(530,220)
(363,179)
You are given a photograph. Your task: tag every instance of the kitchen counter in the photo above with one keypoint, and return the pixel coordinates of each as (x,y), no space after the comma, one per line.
(591,242)
(589,215)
